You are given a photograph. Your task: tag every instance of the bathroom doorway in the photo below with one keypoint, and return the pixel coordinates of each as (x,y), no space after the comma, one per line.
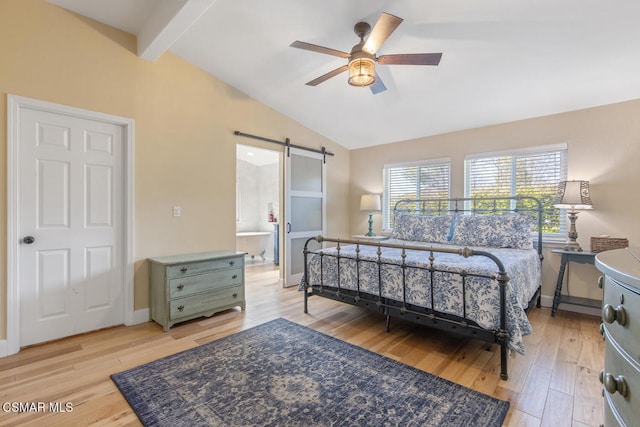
(258,206)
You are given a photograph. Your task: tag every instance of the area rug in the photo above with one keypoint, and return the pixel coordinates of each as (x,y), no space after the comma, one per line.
(284,374)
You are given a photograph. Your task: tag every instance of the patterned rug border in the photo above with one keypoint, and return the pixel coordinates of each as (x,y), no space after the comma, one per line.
(133,384)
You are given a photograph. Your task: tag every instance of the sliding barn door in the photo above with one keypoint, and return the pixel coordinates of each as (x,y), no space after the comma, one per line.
(305,189)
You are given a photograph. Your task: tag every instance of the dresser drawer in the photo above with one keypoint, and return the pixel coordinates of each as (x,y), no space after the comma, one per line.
(189,285)
(611,416)
(620,299)
(187,269)
(206,303)
(626,371)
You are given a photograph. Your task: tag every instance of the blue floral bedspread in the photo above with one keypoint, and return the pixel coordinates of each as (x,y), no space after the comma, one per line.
(483,298)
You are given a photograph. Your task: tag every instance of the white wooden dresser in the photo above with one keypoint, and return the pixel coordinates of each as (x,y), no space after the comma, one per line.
(621,331)
(183,287)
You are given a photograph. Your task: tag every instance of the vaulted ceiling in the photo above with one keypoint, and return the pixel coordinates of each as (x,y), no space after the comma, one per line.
(502,60)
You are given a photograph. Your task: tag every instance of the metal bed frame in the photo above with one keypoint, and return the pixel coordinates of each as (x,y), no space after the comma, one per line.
(423,315)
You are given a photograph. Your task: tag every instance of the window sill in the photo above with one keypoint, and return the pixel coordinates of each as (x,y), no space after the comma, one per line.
(552,242)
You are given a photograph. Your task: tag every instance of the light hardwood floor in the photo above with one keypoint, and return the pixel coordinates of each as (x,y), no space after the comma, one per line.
(554,384)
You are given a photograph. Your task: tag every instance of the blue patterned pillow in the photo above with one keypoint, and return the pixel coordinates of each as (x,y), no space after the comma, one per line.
(511,230)
(422,228)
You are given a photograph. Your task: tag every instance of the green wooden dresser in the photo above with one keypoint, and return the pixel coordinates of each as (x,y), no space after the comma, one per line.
(621,331)
(183,287)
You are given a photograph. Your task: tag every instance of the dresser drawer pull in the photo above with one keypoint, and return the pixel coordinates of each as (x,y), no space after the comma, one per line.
(180,287)
(618,314)
(232,262)
(613,384)
(184,269)
(180,307)
(600,282)
(235,276)
(235,295)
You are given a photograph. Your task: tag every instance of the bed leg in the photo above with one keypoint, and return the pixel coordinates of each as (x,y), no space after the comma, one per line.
(306,296)
(388,323)
(503,361)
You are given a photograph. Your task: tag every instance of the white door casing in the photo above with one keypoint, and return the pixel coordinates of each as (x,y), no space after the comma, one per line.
(70,187)
(305,206)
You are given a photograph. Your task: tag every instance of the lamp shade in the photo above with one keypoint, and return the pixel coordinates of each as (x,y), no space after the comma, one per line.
(573,195)
(370,202)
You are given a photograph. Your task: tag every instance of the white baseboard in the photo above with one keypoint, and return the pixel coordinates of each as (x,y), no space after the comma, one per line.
(547,301)
(4,345)
(140,316)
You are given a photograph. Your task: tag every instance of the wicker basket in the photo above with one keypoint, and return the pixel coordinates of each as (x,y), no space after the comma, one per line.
(600,244)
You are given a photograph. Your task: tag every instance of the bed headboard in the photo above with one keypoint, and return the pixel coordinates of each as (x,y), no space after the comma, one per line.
(477,206)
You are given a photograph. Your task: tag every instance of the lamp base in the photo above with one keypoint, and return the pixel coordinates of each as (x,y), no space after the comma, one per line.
(572,244)
(370,233)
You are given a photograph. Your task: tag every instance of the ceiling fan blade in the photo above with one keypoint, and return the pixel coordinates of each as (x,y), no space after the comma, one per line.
(319,49)
(386,25)
(377,86)
(327,76)
(411,59)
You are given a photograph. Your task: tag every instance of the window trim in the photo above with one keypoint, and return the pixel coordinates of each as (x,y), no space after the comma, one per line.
(563,146)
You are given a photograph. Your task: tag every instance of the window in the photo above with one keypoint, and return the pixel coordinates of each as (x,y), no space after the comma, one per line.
(532,172)
(428,179)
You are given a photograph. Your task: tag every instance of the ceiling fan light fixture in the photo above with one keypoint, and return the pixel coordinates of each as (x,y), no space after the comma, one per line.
(361,62)
(362,72)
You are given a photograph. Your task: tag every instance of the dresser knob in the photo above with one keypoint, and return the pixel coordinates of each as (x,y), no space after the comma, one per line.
(232,262)
(235,295)
(180,287)
(613,384)
(235,276)
(184,269)
(600,282)
(602,329)
(180,307)
(618,314)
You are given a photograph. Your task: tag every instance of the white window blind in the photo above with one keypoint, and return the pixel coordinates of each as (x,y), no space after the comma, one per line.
(428,179)
(533,172)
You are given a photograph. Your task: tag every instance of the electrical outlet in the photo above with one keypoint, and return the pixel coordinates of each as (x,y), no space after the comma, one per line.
(176,211)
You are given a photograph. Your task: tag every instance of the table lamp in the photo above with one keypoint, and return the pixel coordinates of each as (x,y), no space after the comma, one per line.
(573,195)
(370,202)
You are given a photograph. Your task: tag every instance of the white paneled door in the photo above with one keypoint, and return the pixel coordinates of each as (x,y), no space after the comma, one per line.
(305,189)
(70,225)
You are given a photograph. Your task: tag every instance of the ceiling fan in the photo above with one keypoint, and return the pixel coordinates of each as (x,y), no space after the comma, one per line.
(362,59)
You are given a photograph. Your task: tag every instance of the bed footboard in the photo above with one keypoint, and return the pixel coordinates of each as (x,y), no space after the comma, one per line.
(403,307)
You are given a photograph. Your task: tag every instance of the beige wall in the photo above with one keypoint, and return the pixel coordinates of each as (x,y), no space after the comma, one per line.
(604,148)
(185,118)
(185,149)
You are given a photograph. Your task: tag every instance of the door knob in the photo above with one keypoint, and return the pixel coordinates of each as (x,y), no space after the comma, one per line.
(29,240)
